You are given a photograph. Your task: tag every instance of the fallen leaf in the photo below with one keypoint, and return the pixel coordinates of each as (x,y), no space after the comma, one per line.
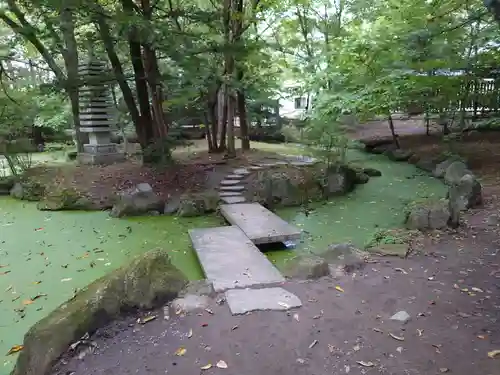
(190,334)
(233,328)
(9,288)
(180,352)
(15,349)
(147,319)
(443,370)
(339,289)
(399,349)
(482,337)
(419,331)
(313,344)
(206,367)
(221,364)
(365,364)
(397,337)
(494,353)
(4,265)
(479,290)
(377,330)
(283,304)
(401,270)
(66,279)
(27,302)
(296,317)
(209,311)
(38,296)
(37,282)
(356,347)
(4,273)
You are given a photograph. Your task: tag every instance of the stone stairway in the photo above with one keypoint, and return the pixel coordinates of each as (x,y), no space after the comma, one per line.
(229,256)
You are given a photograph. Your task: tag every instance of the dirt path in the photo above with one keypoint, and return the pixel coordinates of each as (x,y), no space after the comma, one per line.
(451,330)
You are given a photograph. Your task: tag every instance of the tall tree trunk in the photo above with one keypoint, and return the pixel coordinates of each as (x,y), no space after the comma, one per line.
(116,65)
(70,55)
(153,78)
(146,134)
(231,148)
(242,111)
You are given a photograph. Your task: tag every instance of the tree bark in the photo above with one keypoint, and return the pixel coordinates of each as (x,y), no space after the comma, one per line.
(70,55)
(245,140)
(116,65)
(395,137)
(146,133)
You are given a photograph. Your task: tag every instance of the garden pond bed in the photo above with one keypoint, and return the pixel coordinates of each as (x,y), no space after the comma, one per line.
(45,256)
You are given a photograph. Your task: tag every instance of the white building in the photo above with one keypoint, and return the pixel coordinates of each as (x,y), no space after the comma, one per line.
(293,102)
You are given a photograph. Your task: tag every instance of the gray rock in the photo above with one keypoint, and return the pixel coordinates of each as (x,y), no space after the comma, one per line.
(6,184)
(401,316)
(372,172)
(362,178)
(199,288)
(493,220)
(27,190)
(140,200)
(440,169)
(148,281)
(61,199)
(172,206)
(426,164)
(428,215)
(345,255)
(339,180)
(466,193)
(190,303)
(455,172)
(398,154)
(307,267)
(391,249)
(198,204)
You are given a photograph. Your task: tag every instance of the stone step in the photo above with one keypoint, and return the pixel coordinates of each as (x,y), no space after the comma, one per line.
(255,168)
(234,177)
(241,171)
(233,199)
(230,194)
(230,260)
(232,188)
(229,182)
(259,224)
(242,301)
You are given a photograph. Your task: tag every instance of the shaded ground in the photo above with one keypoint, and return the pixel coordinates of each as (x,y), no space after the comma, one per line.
(451,330)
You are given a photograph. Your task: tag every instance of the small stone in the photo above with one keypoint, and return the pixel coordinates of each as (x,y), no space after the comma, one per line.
(190,302)
(401,316)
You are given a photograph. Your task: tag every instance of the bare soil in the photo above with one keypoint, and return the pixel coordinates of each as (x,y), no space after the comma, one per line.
(452,329)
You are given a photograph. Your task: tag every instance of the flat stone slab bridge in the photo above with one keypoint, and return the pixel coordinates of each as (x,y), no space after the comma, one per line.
(232,262)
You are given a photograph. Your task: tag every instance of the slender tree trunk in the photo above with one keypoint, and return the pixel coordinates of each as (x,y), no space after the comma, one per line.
(242,111)
(70,55)
(395,137)
(116,65)
(231,149)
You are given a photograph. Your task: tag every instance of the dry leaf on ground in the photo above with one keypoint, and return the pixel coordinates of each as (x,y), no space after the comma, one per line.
(365,364)
(494,353)
(206,367)
(15,349)
(399,338)
(180,352)
(339,289)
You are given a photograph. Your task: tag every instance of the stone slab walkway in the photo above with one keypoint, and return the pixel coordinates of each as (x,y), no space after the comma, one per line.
(230,260)
(259,224)
(241,301)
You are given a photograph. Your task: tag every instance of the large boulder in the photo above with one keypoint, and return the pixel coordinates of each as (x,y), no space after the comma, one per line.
(6,184)
(140,200)
(307,267)
(345,255)
(428,215)
(27,190)
(148,281)
(440,169)
(339,180)
(465,193)
(61,199)
(455,171)
(196,204)
(286,186)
